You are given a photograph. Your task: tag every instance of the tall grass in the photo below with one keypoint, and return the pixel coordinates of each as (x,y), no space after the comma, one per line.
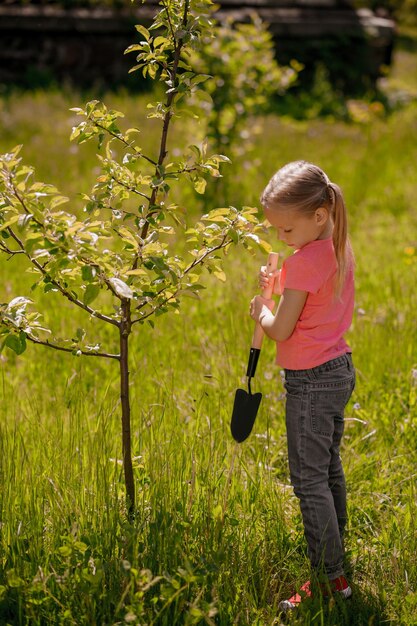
(218,536)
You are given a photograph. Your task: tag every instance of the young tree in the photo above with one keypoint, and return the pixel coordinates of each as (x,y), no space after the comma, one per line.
(113,261)
(245,77)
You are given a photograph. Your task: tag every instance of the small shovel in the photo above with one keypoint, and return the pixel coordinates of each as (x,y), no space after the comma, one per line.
(246,403)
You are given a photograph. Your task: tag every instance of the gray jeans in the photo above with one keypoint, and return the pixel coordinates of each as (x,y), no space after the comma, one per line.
(316,399)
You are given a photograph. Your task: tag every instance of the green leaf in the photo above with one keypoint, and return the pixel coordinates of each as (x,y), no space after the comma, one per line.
(17,343)
(49,287)
(220,275)
(88,273)
(264,246)
(57,201)
(143,31)
(234,236)
(188,293)
(13,580)
(152,69)
(10,222)
(65,551)
(200,185)
(80,334)
(137,272)
(133,48)
(80,546)
(90,106)
(91,293)
(128,237)
(200,78)
(159,41)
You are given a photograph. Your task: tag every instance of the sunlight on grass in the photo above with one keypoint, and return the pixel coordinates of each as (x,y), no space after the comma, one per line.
(218,537)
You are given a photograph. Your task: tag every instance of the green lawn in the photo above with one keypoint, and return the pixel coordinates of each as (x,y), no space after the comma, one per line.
(218,535)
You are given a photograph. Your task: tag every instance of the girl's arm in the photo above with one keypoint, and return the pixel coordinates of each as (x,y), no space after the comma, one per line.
(281,325)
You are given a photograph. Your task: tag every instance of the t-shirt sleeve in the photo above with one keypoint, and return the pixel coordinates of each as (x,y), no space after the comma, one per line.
(299,273)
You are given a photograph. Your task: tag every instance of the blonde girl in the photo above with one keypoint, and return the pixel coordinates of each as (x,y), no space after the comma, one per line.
(316,289)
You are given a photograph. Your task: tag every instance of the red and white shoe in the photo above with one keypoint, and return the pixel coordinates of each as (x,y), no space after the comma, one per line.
(336,586)
(297,598)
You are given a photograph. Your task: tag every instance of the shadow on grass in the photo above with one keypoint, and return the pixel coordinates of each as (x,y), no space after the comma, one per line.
(11,608)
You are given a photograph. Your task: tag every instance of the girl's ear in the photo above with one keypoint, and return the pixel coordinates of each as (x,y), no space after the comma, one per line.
(321,215)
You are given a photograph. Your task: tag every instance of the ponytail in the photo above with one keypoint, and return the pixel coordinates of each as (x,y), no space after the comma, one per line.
(342,247)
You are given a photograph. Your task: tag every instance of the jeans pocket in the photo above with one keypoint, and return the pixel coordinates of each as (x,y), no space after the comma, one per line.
(293,405)
(327,405)
(293,388)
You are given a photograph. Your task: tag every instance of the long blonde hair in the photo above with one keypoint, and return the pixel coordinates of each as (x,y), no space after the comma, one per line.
(304,187)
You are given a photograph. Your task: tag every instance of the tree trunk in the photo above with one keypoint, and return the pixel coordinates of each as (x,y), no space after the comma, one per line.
(125,329)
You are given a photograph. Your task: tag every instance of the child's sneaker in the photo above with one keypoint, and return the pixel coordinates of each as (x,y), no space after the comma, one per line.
(337,585)
(297,598)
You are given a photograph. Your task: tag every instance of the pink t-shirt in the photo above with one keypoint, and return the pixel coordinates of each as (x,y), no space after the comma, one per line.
(318,333)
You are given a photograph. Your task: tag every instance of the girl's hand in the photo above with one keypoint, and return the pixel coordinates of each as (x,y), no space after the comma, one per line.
(265,279)
(259,306)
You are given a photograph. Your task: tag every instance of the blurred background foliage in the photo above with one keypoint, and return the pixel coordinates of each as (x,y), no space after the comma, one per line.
(327,71)
(401,9)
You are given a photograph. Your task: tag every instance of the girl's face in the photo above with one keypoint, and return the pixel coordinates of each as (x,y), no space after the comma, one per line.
(298,229)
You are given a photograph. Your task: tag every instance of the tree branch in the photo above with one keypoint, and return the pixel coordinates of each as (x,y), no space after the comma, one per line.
(4,248)
(132,189)
(23,204)
(48,344)
(196,262)
(167,118)
(169,22)
(185,170)
(207,253)
(64,248)
(123,141)
(64,292)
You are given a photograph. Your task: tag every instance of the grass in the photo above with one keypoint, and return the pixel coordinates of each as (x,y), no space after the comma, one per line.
(218,535)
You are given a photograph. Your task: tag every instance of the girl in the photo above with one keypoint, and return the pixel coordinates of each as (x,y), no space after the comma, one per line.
(315,310)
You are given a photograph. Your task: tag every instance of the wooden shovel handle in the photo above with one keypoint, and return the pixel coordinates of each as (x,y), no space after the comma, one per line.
(271,266)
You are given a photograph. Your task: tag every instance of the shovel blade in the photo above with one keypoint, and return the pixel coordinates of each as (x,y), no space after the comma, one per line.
(245,408)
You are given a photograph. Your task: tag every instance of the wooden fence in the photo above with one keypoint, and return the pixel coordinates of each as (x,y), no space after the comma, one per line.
(43,43)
